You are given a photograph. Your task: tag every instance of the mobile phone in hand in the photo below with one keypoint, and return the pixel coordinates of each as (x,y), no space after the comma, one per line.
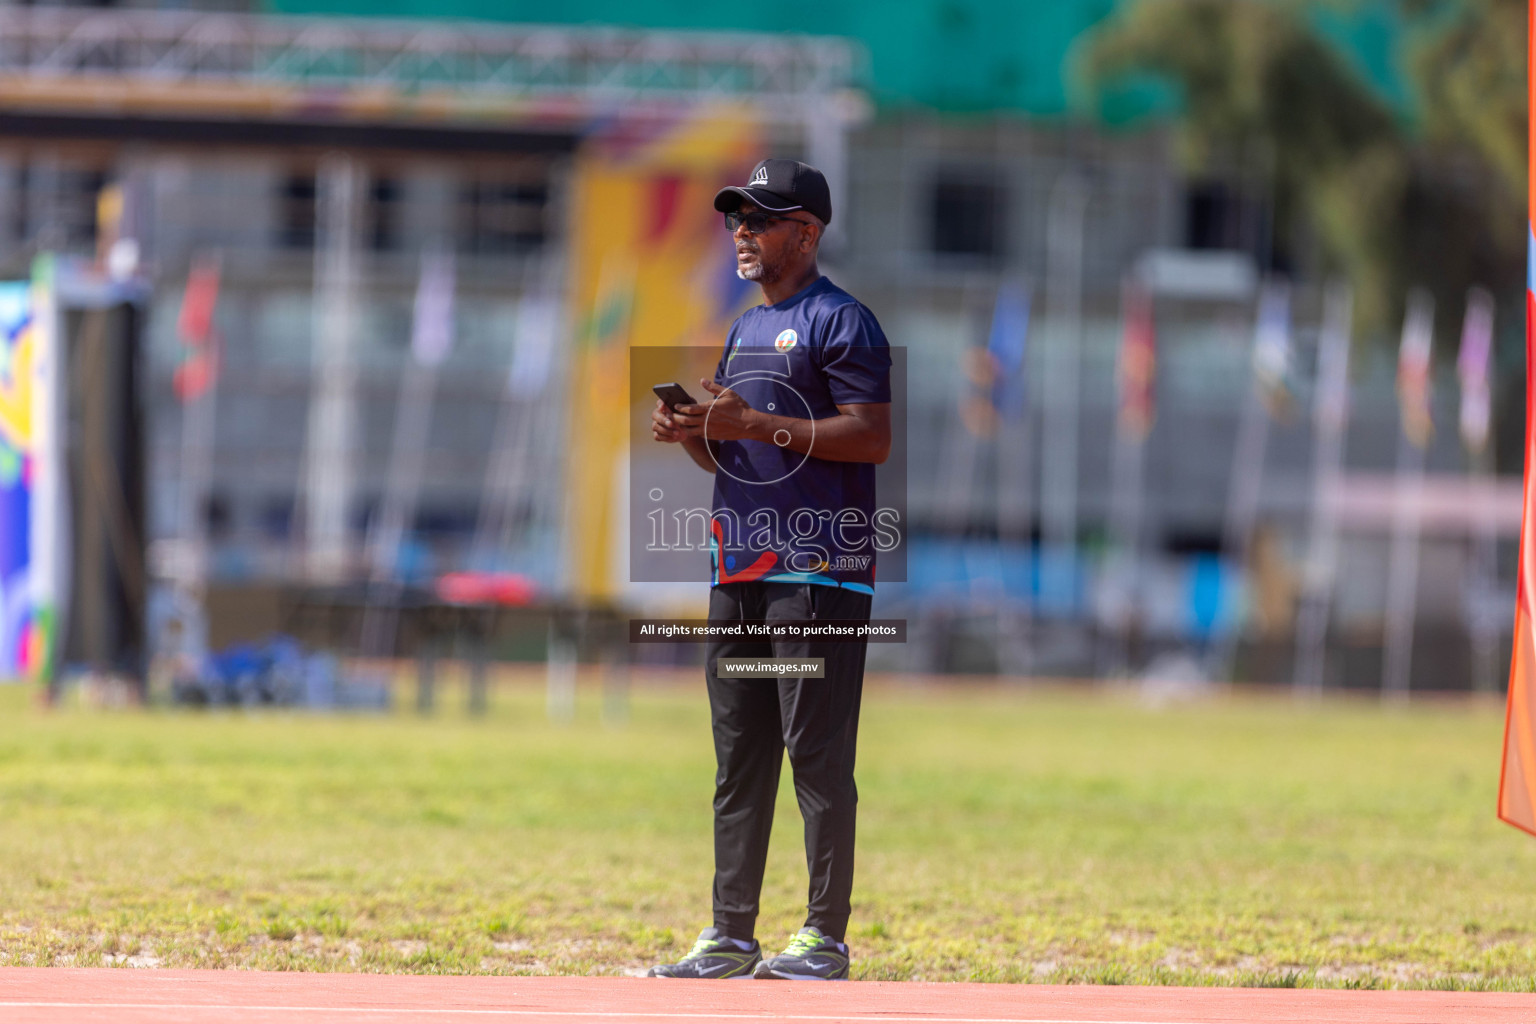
(673,395)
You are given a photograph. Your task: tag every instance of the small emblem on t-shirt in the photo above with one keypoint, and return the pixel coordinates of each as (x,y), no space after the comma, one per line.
(786,340)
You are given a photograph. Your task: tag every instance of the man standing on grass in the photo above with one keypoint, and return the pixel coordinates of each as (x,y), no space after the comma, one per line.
(798,419)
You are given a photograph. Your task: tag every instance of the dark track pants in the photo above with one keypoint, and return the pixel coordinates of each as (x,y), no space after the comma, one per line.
(755,721)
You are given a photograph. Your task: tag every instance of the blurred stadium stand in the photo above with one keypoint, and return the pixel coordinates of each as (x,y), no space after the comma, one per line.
(950,126)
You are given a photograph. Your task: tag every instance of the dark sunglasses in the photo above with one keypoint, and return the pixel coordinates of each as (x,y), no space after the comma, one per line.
(757,223)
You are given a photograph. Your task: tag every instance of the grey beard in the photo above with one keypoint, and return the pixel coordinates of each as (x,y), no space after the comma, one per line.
(755,274)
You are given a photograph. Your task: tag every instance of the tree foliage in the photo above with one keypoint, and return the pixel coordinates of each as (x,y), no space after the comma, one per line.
(1468,65)
(1391,205)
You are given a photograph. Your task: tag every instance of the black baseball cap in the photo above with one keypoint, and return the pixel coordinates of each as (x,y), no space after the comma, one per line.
(780,186)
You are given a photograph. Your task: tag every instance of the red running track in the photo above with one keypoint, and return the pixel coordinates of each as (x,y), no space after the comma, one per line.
(129,996)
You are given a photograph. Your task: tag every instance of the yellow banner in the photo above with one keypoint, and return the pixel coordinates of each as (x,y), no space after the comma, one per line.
(651,264)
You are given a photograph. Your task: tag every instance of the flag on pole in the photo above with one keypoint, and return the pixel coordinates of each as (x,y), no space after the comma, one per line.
(1472,368)
(1333,361)
(1484,616)
(535,338)
(1272,350)
(994,370)
(1413,366)
(1005,344)
(1138,362)
(1413,369)
(194,326)
(1330,419)
(1517,780)
(432,325)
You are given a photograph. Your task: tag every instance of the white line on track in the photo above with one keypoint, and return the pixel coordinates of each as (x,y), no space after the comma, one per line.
(618,1014)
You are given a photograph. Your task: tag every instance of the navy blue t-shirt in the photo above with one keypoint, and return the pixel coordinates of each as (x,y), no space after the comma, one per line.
(784,516)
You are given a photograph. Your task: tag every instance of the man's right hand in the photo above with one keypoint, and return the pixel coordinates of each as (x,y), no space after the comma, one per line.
(663,427)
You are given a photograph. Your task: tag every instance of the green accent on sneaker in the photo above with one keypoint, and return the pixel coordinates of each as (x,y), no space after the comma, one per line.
(700,947)
(802,943)
(810,956)
(712,956)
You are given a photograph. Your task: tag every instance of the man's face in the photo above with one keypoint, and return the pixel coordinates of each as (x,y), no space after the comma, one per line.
(765,257)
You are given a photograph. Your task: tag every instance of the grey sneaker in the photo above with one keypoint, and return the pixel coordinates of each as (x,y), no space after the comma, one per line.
(712,956)
(810,956)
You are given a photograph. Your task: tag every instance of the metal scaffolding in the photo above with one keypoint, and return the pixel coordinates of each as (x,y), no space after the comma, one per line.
(134,80)
(467,70)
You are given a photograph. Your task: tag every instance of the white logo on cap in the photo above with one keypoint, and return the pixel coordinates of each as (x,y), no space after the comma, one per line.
(759,178)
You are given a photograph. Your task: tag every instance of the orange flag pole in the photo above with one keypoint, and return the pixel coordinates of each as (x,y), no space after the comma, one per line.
(1517,781)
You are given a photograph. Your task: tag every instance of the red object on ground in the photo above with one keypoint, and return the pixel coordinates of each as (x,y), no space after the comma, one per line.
(30,995)
(503,588)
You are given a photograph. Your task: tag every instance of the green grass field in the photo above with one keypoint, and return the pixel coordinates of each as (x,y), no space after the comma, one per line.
(1004,836)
